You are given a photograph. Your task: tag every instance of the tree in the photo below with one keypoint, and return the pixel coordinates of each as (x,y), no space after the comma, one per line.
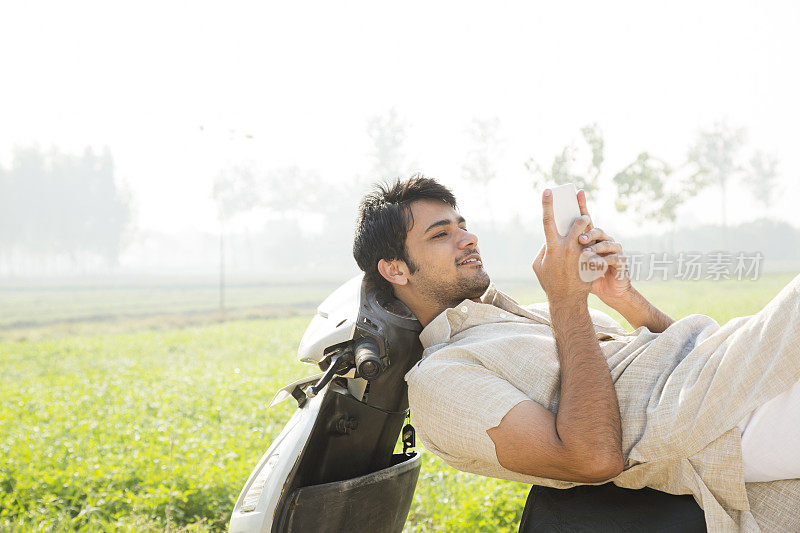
(111,209)
(485,147)
(235,191)
(760,175)
(321,211)
(294,192)
(642,187)
(566,166)
(594,139)
(8,236)
(388,134)
(648,186)
(59,205)
(714,158)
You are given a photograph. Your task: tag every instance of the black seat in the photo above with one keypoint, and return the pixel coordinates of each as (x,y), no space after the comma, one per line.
(608,508)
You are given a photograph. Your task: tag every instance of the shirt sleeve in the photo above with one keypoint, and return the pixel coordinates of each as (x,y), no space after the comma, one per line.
(453,404)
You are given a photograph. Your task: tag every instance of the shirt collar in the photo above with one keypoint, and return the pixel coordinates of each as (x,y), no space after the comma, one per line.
(437,330)
(443,326)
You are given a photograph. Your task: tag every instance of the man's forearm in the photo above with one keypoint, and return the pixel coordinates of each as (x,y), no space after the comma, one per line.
(588,417)
(638,311)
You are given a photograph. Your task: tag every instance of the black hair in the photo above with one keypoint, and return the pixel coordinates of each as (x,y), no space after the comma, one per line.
(384,219)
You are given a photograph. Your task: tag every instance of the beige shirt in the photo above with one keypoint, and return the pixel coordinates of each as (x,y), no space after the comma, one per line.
(681,394)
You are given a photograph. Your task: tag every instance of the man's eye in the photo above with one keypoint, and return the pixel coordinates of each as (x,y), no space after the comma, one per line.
(442,234)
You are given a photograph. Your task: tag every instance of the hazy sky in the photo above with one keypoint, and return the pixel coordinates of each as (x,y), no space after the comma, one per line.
(302,78)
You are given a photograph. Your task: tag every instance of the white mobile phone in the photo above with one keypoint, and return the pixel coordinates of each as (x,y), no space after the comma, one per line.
(565,207)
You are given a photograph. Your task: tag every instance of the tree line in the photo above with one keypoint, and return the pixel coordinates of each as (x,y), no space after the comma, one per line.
(60,208)
(653,188)
(68,210)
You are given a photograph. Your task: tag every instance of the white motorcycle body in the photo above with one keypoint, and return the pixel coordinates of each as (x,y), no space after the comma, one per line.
(332,468)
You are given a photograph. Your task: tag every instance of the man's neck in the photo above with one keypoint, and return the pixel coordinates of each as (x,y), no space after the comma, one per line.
(425,315)
(426,311)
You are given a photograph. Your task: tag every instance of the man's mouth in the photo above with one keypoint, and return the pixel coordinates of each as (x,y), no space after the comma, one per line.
(472,259)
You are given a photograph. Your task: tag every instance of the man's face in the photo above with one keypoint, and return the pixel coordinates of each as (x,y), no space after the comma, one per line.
(446,255)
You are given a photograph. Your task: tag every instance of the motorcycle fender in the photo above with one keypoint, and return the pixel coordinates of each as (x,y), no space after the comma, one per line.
(255,508)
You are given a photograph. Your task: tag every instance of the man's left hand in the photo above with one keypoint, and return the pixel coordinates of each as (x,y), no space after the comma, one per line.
(615,283)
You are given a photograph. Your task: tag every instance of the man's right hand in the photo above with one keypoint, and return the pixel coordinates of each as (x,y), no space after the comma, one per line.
(557,264)
(583,440)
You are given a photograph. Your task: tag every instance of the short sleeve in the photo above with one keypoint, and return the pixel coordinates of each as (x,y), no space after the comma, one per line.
(453,403)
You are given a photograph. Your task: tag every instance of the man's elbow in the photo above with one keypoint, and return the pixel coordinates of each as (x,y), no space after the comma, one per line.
(603,467)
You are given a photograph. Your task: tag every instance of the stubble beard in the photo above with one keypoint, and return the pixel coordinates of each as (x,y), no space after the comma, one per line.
(449,293)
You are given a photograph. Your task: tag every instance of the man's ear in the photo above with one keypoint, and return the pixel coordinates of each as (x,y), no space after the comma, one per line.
(394,271)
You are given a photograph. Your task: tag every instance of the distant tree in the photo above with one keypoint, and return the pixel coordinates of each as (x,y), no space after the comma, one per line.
(290,194)
(480,168)
(649,187)
(642,187)
(388,135)
(236,190)
(714,159)
(484,151)
(565,167)
(35,198)
(8,232)
(594,139)
(57,204)
(111,210)
(322,213)
(294,192)
(760,175)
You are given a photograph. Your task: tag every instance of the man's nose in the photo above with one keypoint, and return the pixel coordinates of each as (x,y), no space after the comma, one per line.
(468,240)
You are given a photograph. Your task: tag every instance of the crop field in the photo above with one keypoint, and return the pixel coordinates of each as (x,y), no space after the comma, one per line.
(155,424)
(27,306)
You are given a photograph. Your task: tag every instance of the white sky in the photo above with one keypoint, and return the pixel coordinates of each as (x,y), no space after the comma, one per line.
(303,77)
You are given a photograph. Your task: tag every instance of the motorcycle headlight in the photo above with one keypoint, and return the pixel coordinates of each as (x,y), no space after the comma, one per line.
(254,492)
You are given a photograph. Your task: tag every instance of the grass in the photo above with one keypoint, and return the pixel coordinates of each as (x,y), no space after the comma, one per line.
(721,300)
(157,427)
(30,305)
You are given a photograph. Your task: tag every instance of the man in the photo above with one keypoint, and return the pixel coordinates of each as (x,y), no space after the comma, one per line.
(558,394)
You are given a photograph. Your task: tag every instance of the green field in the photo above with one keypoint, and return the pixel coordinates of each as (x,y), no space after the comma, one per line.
(154,421)
(31,306)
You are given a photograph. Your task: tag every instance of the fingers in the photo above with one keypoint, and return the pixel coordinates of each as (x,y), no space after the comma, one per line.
(537,264)
(582,203)
(616,260)
(578,226)
(604,247)
(548,218)
(539,258)
(594,234)
(591,267)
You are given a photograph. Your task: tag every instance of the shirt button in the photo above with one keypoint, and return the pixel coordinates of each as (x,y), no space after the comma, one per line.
(464,309)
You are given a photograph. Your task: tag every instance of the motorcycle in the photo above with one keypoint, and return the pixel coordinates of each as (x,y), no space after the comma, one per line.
(333,467)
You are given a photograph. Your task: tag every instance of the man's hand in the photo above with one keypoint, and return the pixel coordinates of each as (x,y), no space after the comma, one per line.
(614,287)
(615,282)
(583,440)
(556,266)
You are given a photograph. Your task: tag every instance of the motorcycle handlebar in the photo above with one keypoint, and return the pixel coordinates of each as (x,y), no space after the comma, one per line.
(368,361)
